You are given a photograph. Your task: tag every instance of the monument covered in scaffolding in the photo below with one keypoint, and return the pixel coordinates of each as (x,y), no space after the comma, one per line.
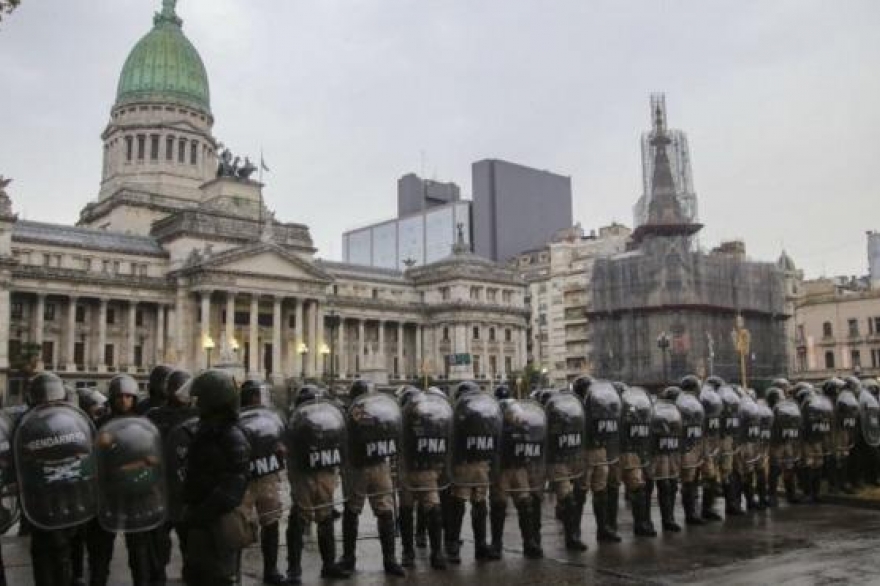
(664,309)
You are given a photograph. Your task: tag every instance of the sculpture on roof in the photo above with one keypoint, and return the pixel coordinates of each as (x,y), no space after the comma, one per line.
(5,201)
(229,165)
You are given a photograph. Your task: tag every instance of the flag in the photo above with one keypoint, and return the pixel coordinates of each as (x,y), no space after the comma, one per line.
(263,165)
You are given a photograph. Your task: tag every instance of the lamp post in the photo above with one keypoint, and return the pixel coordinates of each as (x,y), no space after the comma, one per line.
(663,344)
(303,352)
(208,345)
(333,321)
(325,351)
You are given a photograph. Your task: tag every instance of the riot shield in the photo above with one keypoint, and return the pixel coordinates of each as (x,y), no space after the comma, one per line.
(9,509)
(317,448)
(787,425)
(869,418)
(176,447)
(427,434)
(765,415)
(820,421)
(666,431)
(602,408)
(374,426)
(131,475)
(635,421)
(749,430)
(55,461)
(846,417)
(523,441)
(476,436)
(730,422)
(566,425)
(712,409)
(692,421)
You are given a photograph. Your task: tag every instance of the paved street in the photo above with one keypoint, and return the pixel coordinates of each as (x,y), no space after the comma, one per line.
(800,545)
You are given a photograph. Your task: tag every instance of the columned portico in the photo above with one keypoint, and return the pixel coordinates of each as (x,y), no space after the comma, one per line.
(277,372)
(253,366)
(70,365)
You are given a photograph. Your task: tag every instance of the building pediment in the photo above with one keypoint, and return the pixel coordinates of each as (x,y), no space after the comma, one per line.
(263,260)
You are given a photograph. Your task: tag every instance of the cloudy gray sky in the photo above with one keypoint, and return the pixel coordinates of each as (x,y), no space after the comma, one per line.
(780,100)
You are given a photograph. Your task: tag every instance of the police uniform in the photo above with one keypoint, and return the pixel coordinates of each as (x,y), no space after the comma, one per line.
(693,444)
(635,457)
(666,460)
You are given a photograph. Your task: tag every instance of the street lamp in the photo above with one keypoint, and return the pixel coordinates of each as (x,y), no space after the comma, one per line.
(208,345)
(333,321)
(303,351)
(233,344)
(325,351)
(544,383)
(663,344)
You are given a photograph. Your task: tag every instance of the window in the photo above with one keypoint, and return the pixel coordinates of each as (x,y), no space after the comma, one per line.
(169,148)
(508,335)
(139,318)
(138,356)
(829,359)
(801,359)
(48,354)
(154,147)
(445,330)
(111,316)
(142,141)
(47,260)
(444,293)
(508,364)
(49,312)
(291,321)
(491,294)
(492,336)
(801,338)
(476,365)
(193,152)
(375,293)
(108,354)
(105,266)
(853,327)
(86,264)
(264,320)
(79,353)
(827,331)
(143,270)
(476,332)
(475,293)
(16,310)
(856,358)
(875,358)
(116,265)
(181,150)
(493,366)
(129,148)
(80,314)
(877,325)
(507,296)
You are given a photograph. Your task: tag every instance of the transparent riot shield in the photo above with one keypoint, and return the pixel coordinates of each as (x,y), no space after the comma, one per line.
(846,417)
(730,423)
(427,438)
(176,446)
(9,509)
(55,461)
(765,415)
(786,434)
(637,413)
(750,430)
(666,431)
(819,414)
(317,449)
(374,427)
(131,475)
(693,422)
(265,432)
(476,439)
(602,408)
(566,425)
(712,410)
(523,443)
(869,418)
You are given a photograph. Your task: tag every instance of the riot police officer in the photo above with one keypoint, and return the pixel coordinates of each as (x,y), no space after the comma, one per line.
(730,446)
(122,395)
(54,439)
(846,414)
(667,431)
(317,445)
(635,456)
(476,437)
(765,416)
(156,388)
(865,463)
(784,444)
(693,418)
(817,414)
(710,470)
(374,433)
(265,430)
(216,480)
(748,455)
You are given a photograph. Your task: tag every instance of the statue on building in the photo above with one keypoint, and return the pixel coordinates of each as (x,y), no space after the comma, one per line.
(5,201)
(229,165)
(246,170)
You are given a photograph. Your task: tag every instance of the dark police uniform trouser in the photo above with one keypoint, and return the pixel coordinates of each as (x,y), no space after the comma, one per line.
(209,562)
(143,560)
(51,556)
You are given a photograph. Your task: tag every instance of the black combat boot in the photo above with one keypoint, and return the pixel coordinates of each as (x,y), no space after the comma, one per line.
(348,561)
(791,495)
(531,547)
(385,525)
(600,511)
(761,485)
(434,522)
(748,490)
(649,497)
(580,501)
(421,517)
(773,487)
(497,516)
(612,502)
(407,544)
(667,490)
(294,549)
(479,515)
(710,492)
(642,525)
(842,476)
(327,547)
(571,522)
(733,497)
(454,519)
(830,470)
(269,547)
(815,485)
(689,503)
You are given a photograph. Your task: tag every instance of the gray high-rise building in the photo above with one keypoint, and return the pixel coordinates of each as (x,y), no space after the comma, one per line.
(517,208)
(415,194)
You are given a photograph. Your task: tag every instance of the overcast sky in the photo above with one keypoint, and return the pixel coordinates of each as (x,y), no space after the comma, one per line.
(780,101)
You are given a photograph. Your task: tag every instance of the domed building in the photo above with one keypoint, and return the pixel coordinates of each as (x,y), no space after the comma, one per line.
(178,261)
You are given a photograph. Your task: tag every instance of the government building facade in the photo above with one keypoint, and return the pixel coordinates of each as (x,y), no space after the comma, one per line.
(178,261)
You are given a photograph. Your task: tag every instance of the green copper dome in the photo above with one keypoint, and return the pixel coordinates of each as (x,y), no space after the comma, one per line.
(165,67)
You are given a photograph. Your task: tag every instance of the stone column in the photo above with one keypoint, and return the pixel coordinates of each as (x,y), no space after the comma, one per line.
(319,339)
(382,361)
(298,338)
(254,363)
(180,344)
(160,334)
(230,318)
(419,359)
(340,349)
(102,335)
(277,373)
(362,344)
(401,367)
(206,327)
(132,327)
(309,318)
(523,349)
(39,326)
(71,334)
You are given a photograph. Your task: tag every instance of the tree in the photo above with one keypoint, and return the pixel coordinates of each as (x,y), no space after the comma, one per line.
(7,6)
(26,360)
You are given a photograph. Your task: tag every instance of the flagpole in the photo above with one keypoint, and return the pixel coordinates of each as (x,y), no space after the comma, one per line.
(261,192)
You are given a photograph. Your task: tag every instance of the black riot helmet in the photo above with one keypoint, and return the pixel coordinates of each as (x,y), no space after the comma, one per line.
(465,388)
(157,385)
(831,387)
(773,396)
(620,386)
(872,386)
(307,393)
(852,383)
(544,395)
(581,385)
(176,379)
(782,384)
(358,388)
(670,393)
(716,382)
(252,390)
(690,384)
(502,392)
(802,392)
(216,393)
(46,387)
(122,385)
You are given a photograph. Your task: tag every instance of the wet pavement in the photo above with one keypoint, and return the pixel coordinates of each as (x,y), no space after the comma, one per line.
(798,545)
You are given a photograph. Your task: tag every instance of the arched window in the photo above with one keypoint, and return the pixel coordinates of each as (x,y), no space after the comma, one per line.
(827,330)
(829,359)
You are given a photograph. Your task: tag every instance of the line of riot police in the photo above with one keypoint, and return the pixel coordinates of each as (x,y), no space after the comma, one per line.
(206,458)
